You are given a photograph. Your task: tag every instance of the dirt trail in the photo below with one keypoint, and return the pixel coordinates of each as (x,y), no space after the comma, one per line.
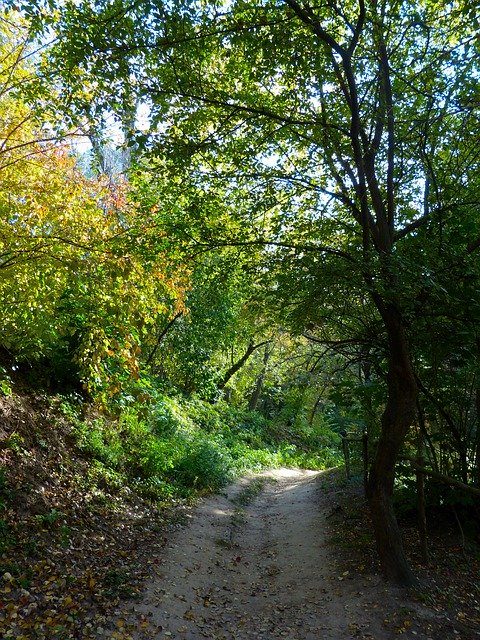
(264,571)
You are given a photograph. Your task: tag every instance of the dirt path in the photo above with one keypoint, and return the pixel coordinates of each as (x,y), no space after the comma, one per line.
(259,567)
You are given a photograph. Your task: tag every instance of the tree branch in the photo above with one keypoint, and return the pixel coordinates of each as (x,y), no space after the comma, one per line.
(239,364)
(453,482)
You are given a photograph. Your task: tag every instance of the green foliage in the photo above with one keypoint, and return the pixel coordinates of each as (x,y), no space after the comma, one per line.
(100,440)
(250,492)
(174,446)
(207,465)
(81,282)
(102,475)
(15,442)
(50,518)
(438,497)
(196,348)
(5,382)
(117,583)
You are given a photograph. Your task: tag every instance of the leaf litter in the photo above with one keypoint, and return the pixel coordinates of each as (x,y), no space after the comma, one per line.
(74,555)
(286,555)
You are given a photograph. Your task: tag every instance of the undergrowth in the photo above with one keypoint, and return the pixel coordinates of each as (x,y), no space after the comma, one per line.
(168,447)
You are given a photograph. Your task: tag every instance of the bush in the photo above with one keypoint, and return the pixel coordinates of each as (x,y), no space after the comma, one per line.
(100,440)
(207,465)
(168,446)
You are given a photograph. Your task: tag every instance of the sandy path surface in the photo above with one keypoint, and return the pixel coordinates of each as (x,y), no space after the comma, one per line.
(260,567)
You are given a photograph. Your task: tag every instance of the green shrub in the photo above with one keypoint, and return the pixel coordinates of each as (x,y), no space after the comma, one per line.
(105,477)
(205,416)
(207,465)
(155,489)
(164,420)
(152,456)
(101,441)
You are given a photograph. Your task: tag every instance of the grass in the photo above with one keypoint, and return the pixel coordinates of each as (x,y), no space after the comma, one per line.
(241,500)
(250,492)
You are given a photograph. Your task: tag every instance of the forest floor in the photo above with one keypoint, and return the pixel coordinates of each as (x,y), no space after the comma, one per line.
(284,554)
(262,561)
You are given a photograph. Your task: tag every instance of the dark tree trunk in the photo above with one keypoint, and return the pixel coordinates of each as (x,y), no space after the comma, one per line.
(257,390)
(314,409)
(236,366)
(161,336)
(399,414)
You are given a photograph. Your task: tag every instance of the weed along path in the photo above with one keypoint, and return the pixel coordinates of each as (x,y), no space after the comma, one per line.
(256,563)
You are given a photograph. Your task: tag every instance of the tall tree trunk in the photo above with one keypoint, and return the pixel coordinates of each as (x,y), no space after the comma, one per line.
(399,414)
(313,412)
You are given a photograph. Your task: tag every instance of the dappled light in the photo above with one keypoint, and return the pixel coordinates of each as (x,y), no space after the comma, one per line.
(239,347)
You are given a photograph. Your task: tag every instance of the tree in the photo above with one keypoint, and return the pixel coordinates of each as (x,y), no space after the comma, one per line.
(335,132)
(79,289)
(205,347)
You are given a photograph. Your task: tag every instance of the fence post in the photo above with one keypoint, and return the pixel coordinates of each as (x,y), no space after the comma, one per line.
(365,461)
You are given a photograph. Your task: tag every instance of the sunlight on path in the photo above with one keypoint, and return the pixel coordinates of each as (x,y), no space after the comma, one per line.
(261,572)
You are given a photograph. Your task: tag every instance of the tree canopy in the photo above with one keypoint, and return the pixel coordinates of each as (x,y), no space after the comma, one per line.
(295,169)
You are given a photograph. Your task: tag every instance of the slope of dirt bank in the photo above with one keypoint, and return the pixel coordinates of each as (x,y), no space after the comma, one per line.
(261,567)
(73,548)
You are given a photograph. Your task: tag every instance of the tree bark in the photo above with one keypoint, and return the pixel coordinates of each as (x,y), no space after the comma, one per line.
(239,363)
(398,415)
(314,408)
